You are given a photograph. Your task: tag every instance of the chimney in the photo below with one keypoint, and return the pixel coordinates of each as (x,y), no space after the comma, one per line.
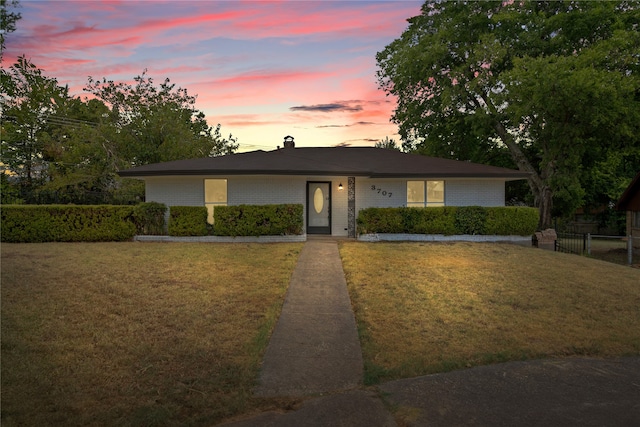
(288,142)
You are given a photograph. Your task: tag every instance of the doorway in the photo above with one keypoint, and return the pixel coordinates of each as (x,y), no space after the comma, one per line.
(318,208)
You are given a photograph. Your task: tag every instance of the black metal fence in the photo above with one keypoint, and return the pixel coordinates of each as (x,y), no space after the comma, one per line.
(618,249)
(572,243)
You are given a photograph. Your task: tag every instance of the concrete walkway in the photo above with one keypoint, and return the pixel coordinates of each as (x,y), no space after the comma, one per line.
(314,347)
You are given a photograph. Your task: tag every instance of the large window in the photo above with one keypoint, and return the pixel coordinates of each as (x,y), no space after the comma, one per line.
(425,193)
(215,194)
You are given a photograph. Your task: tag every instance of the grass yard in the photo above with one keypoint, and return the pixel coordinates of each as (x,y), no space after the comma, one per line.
(432,307)
(613,250)
(136,333)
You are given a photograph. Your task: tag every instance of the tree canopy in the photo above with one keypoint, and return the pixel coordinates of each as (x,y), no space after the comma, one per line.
(8,21)
(551,88)
(55,143)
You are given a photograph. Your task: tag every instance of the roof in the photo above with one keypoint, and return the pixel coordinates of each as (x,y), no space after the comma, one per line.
(346,161)
(630,195)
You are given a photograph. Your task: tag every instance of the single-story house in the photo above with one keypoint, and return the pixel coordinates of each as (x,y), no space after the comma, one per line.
(630,202)
(332,183)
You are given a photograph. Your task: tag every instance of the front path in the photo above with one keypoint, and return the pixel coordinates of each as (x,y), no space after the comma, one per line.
(314,347)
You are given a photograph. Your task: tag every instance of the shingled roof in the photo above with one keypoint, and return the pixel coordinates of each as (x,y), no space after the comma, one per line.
(324,161)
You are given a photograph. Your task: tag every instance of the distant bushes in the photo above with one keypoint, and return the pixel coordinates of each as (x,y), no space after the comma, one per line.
(66,223)
(449,220)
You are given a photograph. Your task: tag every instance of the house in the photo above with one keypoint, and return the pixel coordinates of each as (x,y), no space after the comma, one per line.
(332,183)
(630,202)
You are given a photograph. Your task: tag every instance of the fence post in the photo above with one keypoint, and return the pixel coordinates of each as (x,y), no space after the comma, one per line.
(630,249)
(589,244)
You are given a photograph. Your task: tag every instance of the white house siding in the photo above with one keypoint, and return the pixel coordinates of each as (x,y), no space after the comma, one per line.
(175,190)
(474,192)
(275,189)
(251,190)
(392,193)
(265,190)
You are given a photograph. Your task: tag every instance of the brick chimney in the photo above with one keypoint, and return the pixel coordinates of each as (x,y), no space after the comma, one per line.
(288,142)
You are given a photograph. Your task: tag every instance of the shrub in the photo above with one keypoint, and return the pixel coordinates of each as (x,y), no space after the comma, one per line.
(380,220)
(515,220)
(188,221)
(449,220)
(470,220)
(436,220)
(66,223)
(258,220)
(149,218)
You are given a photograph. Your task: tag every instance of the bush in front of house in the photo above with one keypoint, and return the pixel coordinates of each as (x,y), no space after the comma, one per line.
(149,218)
(471,220)
(449,220)
(188,221)
(258,220)
(66,223)
(435,220)
(511,220)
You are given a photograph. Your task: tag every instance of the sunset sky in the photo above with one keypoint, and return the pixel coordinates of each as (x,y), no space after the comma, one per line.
(262,69)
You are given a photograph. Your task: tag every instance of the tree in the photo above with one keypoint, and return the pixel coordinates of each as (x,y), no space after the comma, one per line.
(155,123)
(29,99)
(387,143)
(552,84)
(122,126)
(7,21)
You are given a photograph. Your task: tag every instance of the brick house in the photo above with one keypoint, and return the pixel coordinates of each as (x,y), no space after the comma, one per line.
(332,183)
(630,202)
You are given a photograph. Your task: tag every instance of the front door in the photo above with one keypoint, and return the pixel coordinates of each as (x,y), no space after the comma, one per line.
(318,208)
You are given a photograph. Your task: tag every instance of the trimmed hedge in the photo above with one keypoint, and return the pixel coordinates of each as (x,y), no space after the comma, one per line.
(66,223)
(149,218)
(188,221)
(449,220)
(258,220)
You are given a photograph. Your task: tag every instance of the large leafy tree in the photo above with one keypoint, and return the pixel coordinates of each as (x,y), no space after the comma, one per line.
(551,86)
(155,123)
(67,149)
(29,100)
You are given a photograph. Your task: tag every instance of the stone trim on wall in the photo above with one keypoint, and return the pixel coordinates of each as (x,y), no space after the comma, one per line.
(351,206)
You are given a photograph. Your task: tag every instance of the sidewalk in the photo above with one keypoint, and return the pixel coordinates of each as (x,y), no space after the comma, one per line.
(314,347)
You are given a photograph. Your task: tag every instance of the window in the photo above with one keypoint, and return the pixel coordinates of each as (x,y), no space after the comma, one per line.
(425,193)
(215,194)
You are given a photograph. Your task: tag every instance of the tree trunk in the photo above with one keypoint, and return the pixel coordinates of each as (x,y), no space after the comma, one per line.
(544,201)
(542,193)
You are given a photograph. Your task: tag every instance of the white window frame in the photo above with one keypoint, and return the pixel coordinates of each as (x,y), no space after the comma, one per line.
(425,202)
(211,204)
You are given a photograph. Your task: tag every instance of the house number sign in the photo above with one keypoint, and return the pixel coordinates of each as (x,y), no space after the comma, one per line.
(380,191)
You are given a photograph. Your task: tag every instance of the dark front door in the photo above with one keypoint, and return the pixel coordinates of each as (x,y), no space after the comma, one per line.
(318,208)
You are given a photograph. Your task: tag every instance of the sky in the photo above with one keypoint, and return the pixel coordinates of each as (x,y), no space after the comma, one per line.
(261,69)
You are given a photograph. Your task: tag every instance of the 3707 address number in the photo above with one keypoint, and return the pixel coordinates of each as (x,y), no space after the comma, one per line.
(380,191)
